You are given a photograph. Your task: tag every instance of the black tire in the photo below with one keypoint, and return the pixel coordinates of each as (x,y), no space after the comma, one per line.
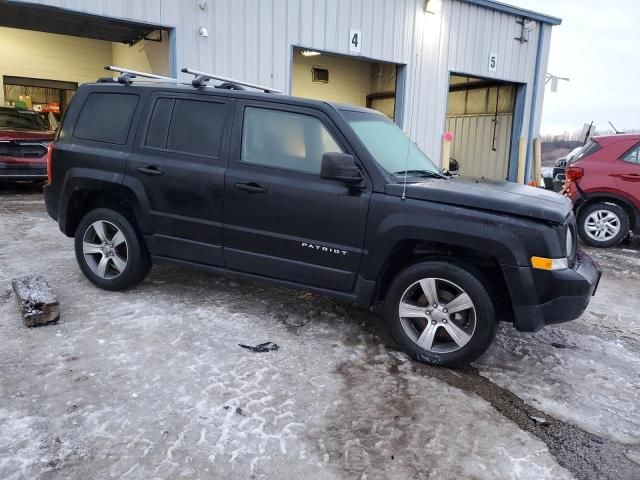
(138,262)
(611,208)
(466,279)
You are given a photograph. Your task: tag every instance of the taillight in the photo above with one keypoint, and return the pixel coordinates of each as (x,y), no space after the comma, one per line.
(574,173)
(49,152)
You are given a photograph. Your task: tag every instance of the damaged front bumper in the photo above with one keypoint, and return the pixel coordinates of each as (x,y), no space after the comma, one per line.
(542,297)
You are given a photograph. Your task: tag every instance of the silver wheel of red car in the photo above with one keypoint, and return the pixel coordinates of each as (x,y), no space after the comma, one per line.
(602,225)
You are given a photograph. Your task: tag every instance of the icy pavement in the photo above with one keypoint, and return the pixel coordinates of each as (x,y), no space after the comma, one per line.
(151,383)
(586,372)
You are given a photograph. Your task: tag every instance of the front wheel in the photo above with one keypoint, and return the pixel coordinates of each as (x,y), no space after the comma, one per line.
(109,251)
(440,313)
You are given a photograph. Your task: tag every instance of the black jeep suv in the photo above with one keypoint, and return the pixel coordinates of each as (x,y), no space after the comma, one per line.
(329,198)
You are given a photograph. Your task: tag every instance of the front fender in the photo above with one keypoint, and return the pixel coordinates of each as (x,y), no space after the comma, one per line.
(510,240)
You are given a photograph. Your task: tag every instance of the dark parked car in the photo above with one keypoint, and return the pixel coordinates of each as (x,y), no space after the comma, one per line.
(603,182)
(328,198)
(24,139)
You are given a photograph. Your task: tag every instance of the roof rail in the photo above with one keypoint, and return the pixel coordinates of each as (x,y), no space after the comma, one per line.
(203,77)
(128,75)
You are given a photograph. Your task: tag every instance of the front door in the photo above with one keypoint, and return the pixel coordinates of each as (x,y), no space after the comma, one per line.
(281,219)
(179,161)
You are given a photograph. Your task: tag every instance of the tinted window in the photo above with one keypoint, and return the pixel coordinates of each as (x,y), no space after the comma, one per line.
(285,140)
(159,123)
(196,127)
(21,120)
(589,148)
(106,117)
(633,156)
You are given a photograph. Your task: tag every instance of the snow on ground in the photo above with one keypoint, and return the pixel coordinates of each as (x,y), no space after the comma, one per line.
(595,381)
(151,383)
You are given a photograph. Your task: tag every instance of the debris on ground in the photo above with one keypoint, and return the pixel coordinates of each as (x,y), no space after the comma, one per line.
(399,357)
(262,347)
(633,455)
(540,421)
(37,303)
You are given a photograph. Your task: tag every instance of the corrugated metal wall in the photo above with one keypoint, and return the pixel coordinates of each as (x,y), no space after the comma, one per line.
(474,139)
(253,39)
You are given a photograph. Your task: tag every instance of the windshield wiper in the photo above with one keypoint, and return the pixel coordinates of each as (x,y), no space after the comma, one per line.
(419,173)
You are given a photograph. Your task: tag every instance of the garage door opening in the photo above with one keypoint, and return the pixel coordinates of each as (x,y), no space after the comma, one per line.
(46,52)
(344,79)
(480,115)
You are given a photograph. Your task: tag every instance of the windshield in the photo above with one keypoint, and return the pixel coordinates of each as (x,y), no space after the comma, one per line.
(21,120)
(390,146)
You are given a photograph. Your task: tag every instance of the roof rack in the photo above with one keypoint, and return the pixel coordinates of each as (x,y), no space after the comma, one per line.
(128,75)
(203,77)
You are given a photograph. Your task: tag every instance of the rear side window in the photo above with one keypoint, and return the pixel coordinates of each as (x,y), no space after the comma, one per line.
(159,125)
(589,149)
(106,117)
(187,126)
(633,156)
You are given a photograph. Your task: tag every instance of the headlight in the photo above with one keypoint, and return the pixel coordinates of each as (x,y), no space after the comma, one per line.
(569,245)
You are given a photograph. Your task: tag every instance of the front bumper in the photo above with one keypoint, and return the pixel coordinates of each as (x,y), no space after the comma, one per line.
(542,297)
(22,171)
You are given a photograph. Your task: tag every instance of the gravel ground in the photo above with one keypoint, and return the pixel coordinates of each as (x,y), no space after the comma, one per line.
(151,383)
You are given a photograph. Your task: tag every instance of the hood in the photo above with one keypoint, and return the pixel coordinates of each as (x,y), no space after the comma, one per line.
(9,134)
(502,197)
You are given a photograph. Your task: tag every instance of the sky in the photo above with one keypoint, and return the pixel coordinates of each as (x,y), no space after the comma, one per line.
(598,47)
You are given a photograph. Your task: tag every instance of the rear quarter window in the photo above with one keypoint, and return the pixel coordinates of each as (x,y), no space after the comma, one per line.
(106,117)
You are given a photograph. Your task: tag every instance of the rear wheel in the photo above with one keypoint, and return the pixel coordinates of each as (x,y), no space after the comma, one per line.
(603,225)
(440,313)
(109,251)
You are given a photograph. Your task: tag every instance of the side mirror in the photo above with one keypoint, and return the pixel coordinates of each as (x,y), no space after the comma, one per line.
(340,166)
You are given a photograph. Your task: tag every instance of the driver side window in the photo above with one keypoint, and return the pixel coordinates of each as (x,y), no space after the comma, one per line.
(633,156)
(287,140)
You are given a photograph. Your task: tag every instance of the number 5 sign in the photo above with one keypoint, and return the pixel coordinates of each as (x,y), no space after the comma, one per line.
(493,62)
(355,40)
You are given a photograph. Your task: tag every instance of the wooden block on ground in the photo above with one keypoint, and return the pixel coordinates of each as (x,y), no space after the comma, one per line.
(37,303)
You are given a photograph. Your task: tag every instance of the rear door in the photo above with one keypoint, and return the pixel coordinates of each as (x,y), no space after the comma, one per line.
(282,220)
(179,163)
(627,174)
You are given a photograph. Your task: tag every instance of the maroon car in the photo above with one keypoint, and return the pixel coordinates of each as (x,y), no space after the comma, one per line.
(603,181)
(24,139)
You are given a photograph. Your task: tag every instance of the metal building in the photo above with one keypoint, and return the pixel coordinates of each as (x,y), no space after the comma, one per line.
(475,67)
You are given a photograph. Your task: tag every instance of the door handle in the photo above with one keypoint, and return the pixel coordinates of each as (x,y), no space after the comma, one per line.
(632,177)
(250,187)
(151,170)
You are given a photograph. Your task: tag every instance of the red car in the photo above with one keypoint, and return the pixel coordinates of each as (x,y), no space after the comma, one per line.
(603,182)
(24,139)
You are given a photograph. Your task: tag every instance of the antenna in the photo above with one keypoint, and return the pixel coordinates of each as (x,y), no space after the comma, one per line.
(203,77)
(615,129)
(128,74)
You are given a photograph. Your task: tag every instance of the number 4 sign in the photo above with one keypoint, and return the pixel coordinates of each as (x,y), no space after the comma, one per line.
(355,41)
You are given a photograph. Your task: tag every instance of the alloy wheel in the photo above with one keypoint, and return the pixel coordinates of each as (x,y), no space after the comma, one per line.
(438,315)
(602,225)
(105,249)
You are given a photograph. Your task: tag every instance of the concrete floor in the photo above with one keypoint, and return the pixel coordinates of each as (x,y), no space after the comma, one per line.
(151,383)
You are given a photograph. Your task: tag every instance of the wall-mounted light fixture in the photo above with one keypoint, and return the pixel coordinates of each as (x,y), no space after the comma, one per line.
(432,6)
(203,32)
(309,53)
